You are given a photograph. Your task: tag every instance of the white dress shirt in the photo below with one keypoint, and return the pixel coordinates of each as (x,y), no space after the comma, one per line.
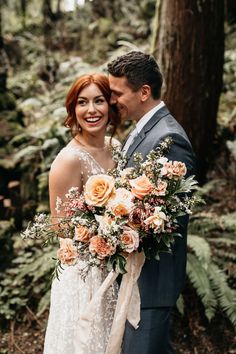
(140,124)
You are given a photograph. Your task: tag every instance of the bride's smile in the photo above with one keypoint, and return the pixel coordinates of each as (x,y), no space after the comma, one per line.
(91,109)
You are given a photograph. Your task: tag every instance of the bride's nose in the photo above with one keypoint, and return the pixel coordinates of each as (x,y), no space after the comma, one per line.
(91,107)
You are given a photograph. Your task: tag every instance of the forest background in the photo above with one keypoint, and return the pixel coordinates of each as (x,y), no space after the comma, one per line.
(44,46)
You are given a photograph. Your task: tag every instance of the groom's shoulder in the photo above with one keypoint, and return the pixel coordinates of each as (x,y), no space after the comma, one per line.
(169,125)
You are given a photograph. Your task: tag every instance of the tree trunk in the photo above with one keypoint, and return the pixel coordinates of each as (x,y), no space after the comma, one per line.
(23,5)
(3,57)
(105,8)
(47,10)
(48,18)
(58,8)
(188,42)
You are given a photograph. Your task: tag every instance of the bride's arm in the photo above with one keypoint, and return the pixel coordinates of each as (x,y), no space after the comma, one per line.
(65,173)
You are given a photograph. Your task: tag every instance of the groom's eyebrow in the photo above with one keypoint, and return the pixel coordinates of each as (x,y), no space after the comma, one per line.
(116,92)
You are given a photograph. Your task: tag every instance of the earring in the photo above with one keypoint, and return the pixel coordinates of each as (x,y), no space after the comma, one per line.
(79,129)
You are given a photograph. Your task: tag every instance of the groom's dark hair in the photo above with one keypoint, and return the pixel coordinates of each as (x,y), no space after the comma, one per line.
(139,69)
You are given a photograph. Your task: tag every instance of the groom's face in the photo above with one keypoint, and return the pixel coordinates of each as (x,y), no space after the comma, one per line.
(127,101)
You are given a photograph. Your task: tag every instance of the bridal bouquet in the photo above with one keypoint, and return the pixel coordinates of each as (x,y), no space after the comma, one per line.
(126,210)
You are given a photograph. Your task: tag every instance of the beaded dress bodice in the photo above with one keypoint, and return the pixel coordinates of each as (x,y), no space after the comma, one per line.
(71,294)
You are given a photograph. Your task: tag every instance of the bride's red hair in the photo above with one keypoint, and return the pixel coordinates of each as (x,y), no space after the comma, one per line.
(103,84)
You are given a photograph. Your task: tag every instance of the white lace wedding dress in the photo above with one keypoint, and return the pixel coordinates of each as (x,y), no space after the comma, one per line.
(70,295)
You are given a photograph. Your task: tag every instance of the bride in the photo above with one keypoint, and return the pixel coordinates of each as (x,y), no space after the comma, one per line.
(86,154)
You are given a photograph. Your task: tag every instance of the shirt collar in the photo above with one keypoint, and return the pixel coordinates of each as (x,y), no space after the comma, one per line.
(147,116)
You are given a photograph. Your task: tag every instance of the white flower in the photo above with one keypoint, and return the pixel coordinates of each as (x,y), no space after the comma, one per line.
(162,160)
(157,220)
(58,205)
(104,223)
(73,191)
(40,218)
(124,174)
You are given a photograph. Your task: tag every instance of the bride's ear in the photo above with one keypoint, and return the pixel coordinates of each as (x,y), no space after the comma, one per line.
(145,92)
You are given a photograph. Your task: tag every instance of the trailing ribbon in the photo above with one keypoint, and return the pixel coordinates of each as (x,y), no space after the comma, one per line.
(128,303)
(127,307)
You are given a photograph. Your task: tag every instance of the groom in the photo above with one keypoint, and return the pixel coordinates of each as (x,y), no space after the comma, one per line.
(136,81)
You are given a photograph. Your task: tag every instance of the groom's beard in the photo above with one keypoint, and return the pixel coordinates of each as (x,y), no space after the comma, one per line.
(123,112)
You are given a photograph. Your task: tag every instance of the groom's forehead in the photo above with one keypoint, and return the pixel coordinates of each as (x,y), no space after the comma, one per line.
(118,83)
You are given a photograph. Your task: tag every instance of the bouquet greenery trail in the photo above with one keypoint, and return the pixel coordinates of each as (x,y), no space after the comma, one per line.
(126,210)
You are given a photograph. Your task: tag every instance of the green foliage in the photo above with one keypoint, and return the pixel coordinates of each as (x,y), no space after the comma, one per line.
(180,304)
(6,245)
(27,271)
(27,280)
(199,278)
(205,275)
(7,101)
(201,248)
(226,297)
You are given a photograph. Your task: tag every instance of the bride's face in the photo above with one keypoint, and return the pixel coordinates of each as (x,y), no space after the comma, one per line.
(91,109)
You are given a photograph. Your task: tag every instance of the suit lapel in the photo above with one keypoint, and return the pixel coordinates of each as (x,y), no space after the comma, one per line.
(150,124)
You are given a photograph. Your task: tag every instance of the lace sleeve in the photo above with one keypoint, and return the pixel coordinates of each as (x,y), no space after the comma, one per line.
(83,161)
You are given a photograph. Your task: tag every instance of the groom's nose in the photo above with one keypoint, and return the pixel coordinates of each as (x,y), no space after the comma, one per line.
(113,100)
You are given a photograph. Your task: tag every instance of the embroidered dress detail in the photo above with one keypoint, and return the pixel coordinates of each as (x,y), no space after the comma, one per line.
(71,294)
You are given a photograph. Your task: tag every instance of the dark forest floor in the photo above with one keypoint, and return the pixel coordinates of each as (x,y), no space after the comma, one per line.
(193,335)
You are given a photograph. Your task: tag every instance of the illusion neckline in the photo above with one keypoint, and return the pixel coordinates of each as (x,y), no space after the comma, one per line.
(77,147)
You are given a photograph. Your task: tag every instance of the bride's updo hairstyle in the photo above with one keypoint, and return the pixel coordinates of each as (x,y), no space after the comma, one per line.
(83,81)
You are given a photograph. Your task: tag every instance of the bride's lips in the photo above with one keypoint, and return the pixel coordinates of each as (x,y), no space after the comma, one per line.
(93,120)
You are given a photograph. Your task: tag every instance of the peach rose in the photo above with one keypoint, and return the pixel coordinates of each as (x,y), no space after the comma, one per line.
(120,209)
(157,220)
(82,233)
(99,189)
(179,169)
(141,186)
(161,188)
(67,252)
(129,239)
(174,169)
(122,203)
(98,246)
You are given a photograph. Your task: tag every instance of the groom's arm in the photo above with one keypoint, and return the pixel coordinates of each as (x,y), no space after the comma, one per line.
(181,150)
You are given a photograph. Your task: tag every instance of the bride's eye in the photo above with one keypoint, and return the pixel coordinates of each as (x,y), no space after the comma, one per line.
(100,100)
(81,102)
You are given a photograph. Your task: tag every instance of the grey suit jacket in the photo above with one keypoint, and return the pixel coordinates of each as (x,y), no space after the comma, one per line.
(161,282)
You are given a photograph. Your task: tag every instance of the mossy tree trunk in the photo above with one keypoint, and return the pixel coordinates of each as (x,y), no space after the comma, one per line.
(105,8)
(48,19)
(3,56)
(188,42)
(58,8)
(23,6)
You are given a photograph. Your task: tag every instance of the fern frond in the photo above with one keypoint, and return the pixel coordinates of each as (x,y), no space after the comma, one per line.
(201,248)
(211,185)
(180,304)
(225,255)
(44,303)
(225,295)
(199,278)
(222,240)
(229,221)
(202,225)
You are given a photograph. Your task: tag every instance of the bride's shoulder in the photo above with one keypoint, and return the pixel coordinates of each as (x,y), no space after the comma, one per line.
(67,157)
(112,141)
